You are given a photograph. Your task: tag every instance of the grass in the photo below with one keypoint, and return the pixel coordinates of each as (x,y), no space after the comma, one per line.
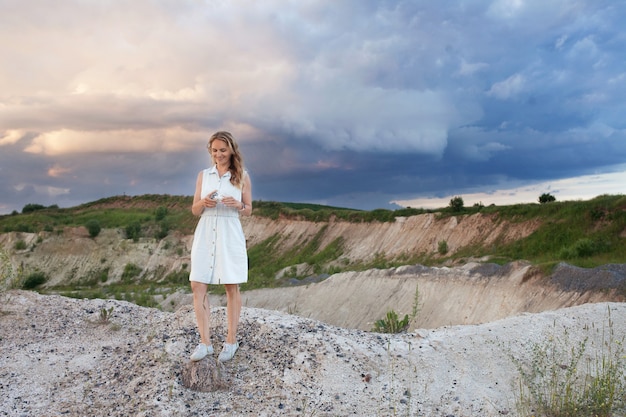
(105,315)
(563,378)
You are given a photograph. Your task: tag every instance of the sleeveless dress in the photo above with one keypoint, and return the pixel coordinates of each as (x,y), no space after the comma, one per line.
(218,251)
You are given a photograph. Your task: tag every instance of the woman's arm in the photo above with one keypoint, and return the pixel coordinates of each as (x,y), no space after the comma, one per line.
(246,196)
(198,205)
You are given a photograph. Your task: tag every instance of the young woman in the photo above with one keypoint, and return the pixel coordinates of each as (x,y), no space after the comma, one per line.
(218,253)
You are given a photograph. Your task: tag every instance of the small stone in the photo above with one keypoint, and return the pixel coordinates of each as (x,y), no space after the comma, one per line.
(207,375)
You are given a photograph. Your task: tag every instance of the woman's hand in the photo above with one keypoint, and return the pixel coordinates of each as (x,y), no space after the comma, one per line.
(231,202)
(208,201)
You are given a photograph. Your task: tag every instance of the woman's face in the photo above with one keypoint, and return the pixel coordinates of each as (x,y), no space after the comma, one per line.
(221,153)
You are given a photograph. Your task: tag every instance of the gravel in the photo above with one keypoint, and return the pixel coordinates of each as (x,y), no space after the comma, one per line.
(59,357)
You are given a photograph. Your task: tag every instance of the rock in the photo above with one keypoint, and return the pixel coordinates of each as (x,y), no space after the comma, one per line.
(207,375)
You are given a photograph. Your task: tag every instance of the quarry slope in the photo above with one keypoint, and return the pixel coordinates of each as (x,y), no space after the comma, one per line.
(468,294)
(58,358)
(72,255)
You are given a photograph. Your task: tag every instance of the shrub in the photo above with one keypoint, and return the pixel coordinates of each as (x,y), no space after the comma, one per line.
(133,231)
(163,230)
(130,271)
(19,245)
(546,198)
(442,247)
(93,226)
(160,213)
(582,248)
(29,208)
(34,280)
(456,204)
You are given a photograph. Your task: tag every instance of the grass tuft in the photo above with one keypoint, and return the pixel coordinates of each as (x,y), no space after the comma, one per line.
(573,379)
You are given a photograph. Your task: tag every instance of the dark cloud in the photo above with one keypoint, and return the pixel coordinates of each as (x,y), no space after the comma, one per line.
(354,103)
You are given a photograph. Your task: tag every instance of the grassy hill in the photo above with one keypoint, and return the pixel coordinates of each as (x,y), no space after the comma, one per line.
(584,233)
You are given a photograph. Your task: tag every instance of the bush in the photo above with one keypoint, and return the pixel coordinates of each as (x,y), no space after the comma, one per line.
(29,208)
(546,198)
(19,245)
(133,231)
(163,230)
(160,213)
(442,247)
(34,280)
(456,204)
(93,226)
(582,248)
(130,271)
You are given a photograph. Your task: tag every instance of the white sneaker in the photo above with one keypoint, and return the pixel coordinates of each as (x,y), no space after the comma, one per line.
(228,351)
(201,352)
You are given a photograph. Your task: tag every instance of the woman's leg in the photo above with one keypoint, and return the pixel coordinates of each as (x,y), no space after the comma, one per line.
(202,309)
(233,311)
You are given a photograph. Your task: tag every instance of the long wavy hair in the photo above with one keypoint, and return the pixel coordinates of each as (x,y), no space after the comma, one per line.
(236,160)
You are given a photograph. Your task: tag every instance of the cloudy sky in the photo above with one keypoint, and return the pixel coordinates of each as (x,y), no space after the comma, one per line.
(354,103)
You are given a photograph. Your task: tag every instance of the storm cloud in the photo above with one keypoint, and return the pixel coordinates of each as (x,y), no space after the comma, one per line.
(355,103)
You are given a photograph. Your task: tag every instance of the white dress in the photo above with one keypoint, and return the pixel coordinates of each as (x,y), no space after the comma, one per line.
(218,251)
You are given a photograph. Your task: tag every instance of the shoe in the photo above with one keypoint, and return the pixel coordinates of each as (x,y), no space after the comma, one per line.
(201,352)
(228,351)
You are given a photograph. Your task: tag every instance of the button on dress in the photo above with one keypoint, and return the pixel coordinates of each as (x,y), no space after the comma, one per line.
(218,251)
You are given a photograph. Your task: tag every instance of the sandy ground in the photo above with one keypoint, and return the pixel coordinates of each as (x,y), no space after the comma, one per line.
(56,358)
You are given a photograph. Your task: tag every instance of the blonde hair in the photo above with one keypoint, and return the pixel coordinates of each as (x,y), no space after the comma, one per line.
(236,160)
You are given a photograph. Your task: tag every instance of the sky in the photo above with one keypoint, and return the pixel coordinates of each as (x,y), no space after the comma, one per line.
(351,103)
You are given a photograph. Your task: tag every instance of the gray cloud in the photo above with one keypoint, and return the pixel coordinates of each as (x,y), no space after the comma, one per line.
(352,103)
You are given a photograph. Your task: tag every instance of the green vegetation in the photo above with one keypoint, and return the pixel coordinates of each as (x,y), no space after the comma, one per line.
(93,227)
(19,245)
(133,231)
(442,247)
(391,322)
(29,208)
(160,213)
(456,204)
(34,280)
(131,271)
(546,198)
(149,211)
(555,381)
(105,315)
(266,258)
(581,233)
(320,213)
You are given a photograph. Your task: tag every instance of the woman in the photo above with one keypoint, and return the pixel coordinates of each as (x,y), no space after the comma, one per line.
(218,253)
